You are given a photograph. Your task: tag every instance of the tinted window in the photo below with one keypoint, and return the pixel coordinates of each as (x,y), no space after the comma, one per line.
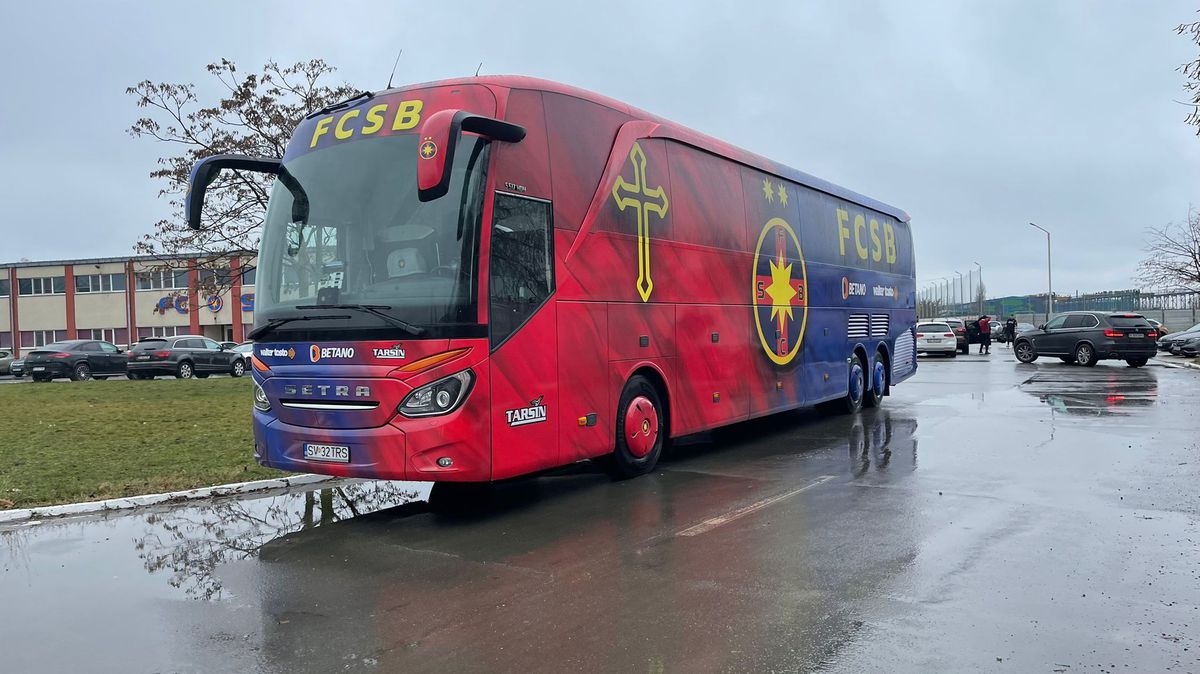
(109,348)
(1129,322)
(149,344)
(1057,322)
(189,344)
(933,327)
(209,344)
(1081,321)
(522,264)
(88,346)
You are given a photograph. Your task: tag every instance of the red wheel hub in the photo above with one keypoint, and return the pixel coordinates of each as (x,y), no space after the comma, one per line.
(641,426)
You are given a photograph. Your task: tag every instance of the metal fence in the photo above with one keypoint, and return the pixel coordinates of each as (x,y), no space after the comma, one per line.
(1175,310)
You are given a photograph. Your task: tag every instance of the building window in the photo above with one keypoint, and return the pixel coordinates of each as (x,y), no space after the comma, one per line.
(6,340)
(100,283)
(118,336)
(5,290)
(162,279)
(161,331)
(35,338)
(248,276)
(46,285)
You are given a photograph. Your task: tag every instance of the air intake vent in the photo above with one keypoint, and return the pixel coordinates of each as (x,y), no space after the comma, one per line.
(879,325)
(904,356)
(858,327)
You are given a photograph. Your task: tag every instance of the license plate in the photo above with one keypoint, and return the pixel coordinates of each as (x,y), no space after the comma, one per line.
(143,357)
(1135,334)
(39,369)
(934,340)
(334,453)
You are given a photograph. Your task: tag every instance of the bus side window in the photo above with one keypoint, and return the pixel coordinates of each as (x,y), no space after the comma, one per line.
(521,261)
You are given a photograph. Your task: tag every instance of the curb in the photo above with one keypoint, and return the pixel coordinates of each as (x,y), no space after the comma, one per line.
(132,502)
(1188,365)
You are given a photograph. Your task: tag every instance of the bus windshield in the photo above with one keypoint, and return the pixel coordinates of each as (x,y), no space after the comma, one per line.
(366,239)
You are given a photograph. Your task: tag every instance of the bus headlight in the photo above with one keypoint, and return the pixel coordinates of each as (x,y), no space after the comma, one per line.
(441,397)
(261,402)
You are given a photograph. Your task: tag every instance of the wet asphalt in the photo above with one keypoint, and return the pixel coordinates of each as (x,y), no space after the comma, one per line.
(991,517)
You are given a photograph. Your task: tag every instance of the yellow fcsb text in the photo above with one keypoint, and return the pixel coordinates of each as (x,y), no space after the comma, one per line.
(406,115)
(866,248)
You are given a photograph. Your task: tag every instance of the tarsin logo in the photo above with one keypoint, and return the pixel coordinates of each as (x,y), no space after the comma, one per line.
(535,413)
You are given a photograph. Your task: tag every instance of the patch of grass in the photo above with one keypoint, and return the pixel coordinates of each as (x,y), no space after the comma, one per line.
(80,441)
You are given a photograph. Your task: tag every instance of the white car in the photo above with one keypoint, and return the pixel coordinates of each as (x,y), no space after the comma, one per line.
(936,338)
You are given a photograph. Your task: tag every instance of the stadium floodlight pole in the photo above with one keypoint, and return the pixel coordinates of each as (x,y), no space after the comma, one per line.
(984,290)
(1049,278)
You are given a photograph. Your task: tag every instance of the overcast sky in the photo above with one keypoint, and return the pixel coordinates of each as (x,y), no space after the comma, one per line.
(974,117)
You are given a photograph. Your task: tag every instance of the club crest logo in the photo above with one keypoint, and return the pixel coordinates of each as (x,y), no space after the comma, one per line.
(428,149)
(780,283)
(637,194)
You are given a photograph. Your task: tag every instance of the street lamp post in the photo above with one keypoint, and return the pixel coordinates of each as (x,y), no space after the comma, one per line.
(1049,279)
(962,295)
(982,289)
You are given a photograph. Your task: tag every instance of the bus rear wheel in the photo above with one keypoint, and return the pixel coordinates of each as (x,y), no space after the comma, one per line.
(852,402)
(873,397)
(641,429)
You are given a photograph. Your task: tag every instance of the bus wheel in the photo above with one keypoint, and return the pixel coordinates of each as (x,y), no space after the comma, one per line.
(641,429)
(460,497)
(874,396)
(852,402)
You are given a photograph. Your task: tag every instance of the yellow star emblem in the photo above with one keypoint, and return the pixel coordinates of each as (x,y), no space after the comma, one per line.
(782,195)
(768,191)
(781,290)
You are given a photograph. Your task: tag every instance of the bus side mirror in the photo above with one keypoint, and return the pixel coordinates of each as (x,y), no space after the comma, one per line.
(205,172)
(438,138)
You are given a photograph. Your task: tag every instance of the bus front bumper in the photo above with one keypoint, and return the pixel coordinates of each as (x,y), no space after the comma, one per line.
(441,449)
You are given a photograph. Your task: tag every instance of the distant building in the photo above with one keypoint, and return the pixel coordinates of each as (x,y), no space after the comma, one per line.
(121,300)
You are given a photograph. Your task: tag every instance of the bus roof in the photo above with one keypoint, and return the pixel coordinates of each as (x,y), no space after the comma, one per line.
(683,133)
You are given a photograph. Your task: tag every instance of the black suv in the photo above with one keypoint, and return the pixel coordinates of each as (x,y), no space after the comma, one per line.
(184,357)
(79,359)
(1086,337)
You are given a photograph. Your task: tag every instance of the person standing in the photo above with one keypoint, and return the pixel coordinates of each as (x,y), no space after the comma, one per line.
(985,334)
(1010,330)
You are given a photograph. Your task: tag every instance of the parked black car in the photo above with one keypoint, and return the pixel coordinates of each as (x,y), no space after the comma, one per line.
(79,359)
(184,357)
(1086,337)
(1173,341)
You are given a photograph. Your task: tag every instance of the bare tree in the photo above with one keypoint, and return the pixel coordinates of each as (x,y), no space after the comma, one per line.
(930,308)
(1191,73)
(980,294)
(255,116)
(1172,261)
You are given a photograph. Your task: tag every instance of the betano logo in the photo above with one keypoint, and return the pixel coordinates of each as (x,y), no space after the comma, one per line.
(852,289)
(316,353)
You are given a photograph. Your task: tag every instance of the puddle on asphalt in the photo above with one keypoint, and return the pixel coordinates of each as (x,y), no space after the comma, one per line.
(185,545)
(1097,391)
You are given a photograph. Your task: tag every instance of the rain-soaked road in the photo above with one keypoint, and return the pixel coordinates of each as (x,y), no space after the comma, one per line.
(991,517)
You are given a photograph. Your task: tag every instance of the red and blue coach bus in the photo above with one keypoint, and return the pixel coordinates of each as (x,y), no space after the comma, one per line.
(473,279)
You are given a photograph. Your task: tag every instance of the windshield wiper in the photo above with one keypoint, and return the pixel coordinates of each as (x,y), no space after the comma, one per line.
(375,310)
(273,323)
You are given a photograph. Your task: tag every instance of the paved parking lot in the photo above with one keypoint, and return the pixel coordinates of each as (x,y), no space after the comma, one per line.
(991,516)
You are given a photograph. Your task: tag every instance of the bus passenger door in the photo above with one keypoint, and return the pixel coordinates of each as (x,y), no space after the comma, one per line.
(522,326)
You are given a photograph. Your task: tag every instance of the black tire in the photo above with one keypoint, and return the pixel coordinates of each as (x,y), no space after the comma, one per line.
(965,349)
(100,378)
(1085,355)
(134,376)
(852,402)
(238,368)
(1136,362)
(459,497)
(41,380)
(1024,351)
(81,372)
(202,375)
(638,449)
(954,354)
(879,381)
(185,371)
(1069,360)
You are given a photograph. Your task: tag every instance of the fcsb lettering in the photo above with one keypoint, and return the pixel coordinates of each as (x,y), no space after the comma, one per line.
(405,115)
(866,232)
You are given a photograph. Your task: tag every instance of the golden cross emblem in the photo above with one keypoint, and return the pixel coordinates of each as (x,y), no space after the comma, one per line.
(645,199)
